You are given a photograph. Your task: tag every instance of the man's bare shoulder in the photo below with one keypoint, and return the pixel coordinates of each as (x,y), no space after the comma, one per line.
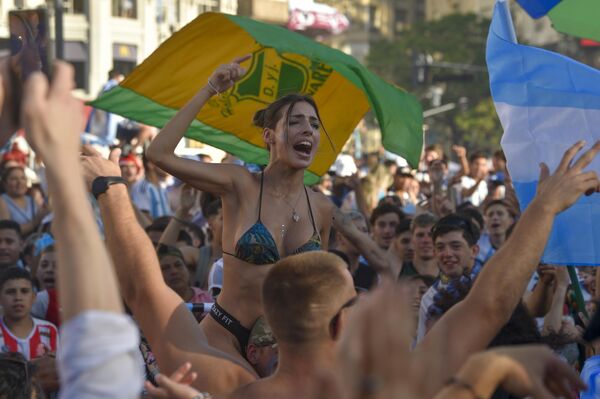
(257,390)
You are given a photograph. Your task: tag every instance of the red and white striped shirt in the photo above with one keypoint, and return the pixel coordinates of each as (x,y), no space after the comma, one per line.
(42,338)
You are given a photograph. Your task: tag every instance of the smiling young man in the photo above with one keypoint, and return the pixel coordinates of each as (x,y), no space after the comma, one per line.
(455,247)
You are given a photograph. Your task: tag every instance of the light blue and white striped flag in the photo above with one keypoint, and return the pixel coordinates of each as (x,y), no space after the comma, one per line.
(546,102)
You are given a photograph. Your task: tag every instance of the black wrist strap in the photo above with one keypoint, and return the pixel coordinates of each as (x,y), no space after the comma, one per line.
(101,184)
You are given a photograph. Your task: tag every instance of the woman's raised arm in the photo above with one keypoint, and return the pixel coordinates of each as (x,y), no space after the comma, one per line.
(215,178)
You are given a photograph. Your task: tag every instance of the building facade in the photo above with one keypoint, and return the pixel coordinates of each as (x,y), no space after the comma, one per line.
(537,32)
(372,20)
(101,35)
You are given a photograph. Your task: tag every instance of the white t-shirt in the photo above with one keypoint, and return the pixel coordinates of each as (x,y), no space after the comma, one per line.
(100,357)
(478,195)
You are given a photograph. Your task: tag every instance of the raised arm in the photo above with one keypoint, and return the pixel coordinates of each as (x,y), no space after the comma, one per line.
(523,371)
(171,233)
(384,262)
(87,285)
(215,178)
(538,301)
(56,139)
(169,326)
(473,323)
(553,319)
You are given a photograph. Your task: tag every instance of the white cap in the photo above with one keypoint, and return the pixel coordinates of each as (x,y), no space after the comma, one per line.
(344,166)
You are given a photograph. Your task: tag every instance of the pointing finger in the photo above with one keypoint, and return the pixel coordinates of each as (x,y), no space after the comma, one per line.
(241,59)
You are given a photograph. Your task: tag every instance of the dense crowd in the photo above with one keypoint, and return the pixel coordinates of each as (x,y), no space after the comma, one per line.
(214,278)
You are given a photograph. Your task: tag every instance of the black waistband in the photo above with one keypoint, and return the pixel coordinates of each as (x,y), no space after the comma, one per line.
(231,324)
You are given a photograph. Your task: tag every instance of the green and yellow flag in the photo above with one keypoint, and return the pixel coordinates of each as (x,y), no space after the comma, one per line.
(282,62)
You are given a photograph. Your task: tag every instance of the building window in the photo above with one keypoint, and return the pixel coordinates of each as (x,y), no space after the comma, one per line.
(80,74)
(373,18)
(124,8)
(400,19)
(74,6)
(207,6)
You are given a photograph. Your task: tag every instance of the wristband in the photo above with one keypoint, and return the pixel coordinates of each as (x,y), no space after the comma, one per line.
(101,184)
(464,385)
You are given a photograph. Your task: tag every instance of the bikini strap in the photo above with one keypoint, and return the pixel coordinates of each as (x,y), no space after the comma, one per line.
(262,176)
(231,324)
(312,218)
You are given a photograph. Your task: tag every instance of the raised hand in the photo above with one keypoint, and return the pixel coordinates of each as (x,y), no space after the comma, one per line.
(547,274)
(176,386)
(53,119)
(460,151)
(537,372)
(188,198)
(562,189)
(225,76)
(94,165)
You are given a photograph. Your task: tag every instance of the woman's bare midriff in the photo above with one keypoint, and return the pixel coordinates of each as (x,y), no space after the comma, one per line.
(242,289)
(242,300)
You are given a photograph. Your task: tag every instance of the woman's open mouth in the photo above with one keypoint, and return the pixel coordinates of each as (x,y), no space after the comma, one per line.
(303,147)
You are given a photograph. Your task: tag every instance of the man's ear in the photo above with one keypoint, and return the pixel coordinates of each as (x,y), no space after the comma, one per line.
(252,353)
(339,324)
(475,250)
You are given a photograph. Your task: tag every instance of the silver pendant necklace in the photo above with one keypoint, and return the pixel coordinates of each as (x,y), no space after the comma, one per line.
(295,215)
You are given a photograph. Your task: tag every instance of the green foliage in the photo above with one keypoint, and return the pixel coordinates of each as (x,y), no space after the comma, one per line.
(481,126)
(456,38)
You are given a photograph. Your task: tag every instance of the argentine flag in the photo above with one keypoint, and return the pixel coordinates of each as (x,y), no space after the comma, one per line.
(546,102)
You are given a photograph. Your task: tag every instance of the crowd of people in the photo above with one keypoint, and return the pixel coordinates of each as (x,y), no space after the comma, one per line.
(127,271)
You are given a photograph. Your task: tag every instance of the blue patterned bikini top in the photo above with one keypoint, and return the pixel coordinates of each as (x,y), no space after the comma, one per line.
(257,245)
